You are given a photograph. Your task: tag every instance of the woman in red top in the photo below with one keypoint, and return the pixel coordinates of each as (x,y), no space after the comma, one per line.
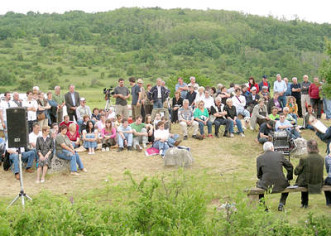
(251,83)
(74,135)
(315,100)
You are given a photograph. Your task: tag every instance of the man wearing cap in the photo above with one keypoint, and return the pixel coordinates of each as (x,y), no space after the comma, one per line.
(81,111)
(182,88)
(264,82)
(72,100)
(121,93)
(136,97)
(252,99)
(191,95)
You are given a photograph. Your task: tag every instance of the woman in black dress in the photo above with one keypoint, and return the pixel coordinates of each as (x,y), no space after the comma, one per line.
(177,102)
(44,148)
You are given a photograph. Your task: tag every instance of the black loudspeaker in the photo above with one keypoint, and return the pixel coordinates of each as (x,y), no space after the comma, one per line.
(17,127)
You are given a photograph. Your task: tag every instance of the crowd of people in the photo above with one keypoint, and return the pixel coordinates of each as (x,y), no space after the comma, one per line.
(195,108)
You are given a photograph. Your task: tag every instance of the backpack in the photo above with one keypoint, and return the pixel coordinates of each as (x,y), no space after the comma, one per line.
(6,162)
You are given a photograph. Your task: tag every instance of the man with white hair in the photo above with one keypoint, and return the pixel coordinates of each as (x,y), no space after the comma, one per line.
(296,93)
(186,119)
(193,83)
(280,87)
(158,94)
(270,172)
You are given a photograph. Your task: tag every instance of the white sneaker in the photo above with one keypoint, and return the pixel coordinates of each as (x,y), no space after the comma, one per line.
(242,135)
(89,153)
(231,135)
(107,149)
(251,128)
(103,149)
(161,152)
(144,146)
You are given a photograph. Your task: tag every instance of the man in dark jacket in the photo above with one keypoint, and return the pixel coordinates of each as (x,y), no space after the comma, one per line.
(158,94)
(310,172)
(72,101)
(270,172)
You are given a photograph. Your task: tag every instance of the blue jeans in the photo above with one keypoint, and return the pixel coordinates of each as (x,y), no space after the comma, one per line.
(282,99)
(202,125)
(128,137)
(327,107)
(162,146)
(172,140)
(27,157)
(158,103)
(73,158)
(295,117)
(231,128)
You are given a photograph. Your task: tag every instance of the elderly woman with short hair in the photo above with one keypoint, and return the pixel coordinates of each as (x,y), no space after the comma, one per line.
(65,150)
(232,116)
(74,135)
(201,115)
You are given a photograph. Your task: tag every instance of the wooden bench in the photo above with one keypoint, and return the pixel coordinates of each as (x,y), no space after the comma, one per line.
(253,193)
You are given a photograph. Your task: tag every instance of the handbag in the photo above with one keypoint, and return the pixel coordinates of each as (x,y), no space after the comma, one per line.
(41,116)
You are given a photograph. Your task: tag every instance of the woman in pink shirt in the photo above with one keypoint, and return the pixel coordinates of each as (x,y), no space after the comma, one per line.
(108,135)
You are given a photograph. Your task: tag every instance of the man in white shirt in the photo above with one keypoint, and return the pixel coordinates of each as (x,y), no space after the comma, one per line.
(280,87)
(81,111)
(4,105)
(283,124)
(209,101)
(32,107)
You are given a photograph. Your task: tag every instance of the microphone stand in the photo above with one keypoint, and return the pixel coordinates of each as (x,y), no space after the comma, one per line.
(21,194)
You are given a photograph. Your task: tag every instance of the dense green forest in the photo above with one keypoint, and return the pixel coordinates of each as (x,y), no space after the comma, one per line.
(91,49)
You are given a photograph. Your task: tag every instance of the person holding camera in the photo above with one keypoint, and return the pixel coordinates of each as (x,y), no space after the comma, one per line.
(122,93)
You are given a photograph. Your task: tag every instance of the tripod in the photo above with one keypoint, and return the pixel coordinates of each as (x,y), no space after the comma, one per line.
(21,194)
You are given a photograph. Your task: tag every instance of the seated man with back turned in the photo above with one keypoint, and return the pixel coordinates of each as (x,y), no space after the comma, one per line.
(310,172)
(270,172)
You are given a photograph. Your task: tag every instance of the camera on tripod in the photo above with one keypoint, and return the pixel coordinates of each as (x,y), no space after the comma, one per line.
(108,92)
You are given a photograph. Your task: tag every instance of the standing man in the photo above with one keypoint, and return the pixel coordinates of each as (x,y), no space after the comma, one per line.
(288,92)
(16,99)
(158,94)
(4,105)
(122,94)
(31,106)
(304,95)
(296,92)
(193,83)
(280,87)
(181,87)
(315,100)
(59,99)
(72,102)
(310,172)
(136,97)
(270,172)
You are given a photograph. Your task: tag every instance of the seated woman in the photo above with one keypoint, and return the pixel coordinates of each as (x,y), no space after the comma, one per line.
(161,136)
(309,115)
(108,135)
(74,135)
(150,128)
(44,148)
(239,101)
(201,115)
(90,137)
(118,121)
(232,116)
(177,102)
(86,118)
(274,114)
(65,150)
(95,114)
(293,107)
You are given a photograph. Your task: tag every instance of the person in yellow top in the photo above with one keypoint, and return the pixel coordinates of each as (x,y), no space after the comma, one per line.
(293,107)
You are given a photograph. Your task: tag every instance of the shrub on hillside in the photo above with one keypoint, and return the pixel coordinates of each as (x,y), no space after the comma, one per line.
(6,77)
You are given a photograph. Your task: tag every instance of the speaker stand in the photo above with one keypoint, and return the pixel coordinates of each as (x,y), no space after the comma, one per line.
(21,194)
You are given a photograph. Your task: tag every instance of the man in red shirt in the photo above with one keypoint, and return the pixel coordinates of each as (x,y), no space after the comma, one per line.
(315,99)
